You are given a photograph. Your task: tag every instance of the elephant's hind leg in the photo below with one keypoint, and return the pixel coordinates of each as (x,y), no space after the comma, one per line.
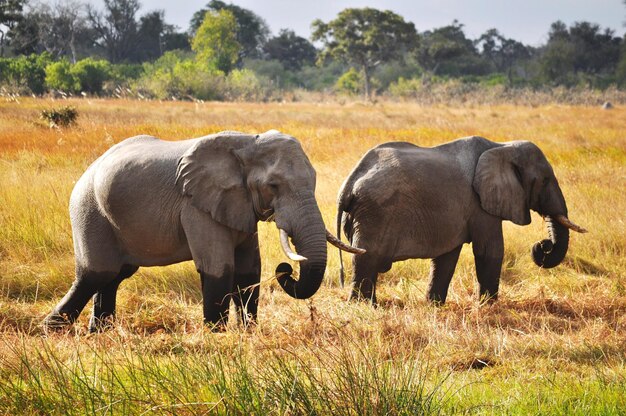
(86,284)
(366,268)
(104,301)
(441,271)
(247,277)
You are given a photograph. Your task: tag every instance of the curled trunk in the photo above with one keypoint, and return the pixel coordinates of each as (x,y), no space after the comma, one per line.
(551,252)
(309,239)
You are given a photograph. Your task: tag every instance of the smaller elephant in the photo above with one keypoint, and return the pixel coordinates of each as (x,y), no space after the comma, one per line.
(402,201)
(150,202)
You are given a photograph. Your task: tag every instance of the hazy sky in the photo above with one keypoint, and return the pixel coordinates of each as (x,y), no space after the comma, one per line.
(524,20)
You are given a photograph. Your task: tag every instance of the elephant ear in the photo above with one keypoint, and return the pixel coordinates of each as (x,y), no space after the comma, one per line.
(497,181)
(212,176)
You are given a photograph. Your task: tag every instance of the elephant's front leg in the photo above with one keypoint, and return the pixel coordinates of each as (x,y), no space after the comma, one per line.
(212,247)
(441,271)
(488,254)
(247,277)
(216,294)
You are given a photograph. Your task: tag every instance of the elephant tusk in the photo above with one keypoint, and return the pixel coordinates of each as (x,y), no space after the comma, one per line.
(341,245)
(284,243)
(565,222)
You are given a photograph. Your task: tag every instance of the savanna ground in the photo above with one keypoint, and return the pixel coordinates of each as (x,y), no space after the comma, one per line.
(555,342)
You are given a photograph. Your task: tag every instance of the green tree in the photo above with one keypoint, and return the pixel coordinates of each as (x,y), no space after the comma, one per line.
(446,50)
(365,38)
(582,51)
(502,52)
(252,31)
(215,41)
(290,49)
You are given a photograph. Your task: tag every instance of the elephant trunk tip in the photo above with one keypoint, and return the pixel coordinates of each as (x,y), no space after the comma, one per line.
(296,288)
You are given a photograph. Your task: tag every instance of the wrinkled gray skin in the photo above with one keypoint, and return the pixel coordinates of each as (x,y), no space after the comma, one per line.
(149,202)
(402,201)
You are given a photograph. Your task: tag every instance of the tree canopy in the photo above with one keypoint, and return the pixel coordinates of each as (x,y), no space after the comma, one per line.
(251,30)
(216,42)
(365,37)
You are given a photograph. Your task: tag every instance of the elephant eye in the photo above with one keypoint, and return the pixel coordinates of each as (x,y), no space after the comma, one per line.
(273,187)
(546,181)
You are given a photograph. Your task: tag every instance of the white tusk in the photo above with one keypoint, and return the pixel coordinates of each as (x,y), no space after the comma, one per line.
(284,243)
(565,222)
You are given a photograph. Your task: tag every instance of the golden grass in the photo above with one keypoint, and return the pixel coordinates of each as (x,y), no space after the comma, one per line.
(569,321)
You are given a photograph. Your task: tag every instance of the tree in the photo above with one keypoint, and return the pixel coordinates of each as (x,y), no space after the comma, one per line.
(365,38)
(290,49)
(10,16)
(116,29)
(582,50)
(503,53)
(446,50)
(215,41)
(60,26)
(252,31)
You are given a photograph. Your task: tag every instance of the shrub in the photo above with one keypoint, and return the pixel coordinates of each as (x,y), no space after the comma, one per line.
(405,88)
(59,76)
(28,72)
(91,74)
(244,85)
(350,82)
(60,117)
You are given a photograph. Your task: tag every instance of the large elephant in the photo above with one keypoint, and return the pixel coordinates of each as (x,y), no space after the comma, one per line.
(149,202)
(402,201)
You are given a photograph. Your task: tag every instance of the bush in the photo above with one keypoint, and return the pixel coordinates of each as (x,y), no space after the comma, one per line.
(350,82)
(59,76)
(244,85)
(174,75)
(26,73)
(60,117)
(91,74)
(405,88)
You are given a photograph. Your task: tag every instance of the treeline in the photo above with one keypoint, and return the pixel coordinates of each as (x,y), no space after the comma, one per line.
(228,53)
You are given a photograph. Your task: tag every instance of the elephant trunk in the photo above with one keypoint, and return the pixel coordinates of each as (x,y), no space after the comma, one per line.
(309,239)
(551,252)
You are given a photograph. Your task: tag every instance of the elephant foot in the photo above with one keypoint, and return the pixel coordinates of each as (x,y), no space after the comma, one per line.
(101,324)
(216,328)
(57,322)
(361,297)
(487,298)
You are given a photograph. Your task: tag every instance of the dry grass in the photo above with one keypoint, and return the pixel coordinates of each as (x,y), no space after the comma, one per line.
(554,343)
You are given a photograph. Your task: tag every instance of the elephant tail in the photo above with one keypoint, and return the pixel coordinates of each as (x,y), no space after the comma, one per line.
(344,201)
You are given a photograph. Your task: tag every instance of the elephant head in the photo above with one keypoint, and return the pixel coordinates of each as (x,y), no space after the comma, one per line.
(514,178)
(240,179)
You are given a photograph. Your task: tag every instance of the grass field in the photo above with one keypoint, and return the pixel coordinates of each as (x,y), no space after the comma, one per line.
(555,342)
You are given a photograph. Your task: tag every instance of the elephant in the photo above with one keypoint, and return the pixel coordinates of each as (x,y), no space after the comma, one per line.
(150,202)
(402,201)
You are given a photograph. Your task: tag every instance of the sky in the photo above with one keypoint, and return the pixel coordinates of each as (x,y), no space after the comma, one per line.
(527,21)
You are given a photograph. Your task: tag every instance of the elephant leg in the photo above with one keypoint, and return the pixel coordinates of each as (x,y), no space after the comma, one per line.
(216,294)
(86,284)
(441,271)
(488,260)
(212,247)
(246,282)
(366,269)
(104,301)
